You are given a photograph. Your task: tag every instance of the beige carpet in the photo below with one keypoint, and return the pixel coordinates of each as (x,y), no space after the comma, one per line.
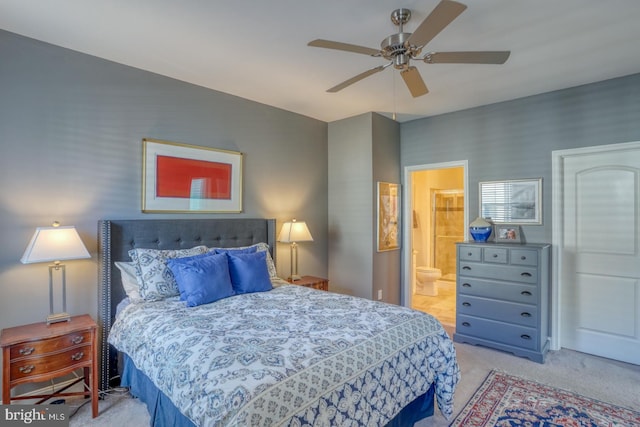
(595,377)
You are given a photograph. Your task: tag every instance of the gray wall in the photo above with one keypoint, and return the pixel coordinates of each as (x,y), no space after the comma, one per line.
(362,151)
(386,168)
(514,139)
(71,127)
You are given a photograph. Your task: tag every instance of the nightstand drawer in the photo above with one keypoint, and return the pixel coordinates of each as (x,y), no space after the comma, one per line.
(50,345)
(34,366)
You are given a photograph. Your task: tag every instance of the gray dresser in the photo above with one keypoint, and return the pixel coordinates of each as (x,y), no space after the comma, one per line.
(502,297)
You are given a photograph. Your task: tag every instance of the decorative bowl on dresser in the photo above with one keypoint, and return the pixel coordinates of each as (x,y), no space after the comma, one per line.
(502,297)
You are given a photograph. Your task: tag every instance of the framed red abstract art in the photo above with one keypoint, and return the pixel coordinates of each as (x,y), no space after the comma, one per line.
(188,178)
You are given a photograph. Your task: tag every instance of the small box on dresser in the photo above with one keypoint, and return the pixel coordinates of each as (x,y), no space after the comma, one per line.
(502,297)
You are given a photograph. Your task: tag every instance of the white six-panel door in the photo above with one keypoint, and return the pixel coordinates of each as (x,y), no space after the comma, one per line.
(599,260)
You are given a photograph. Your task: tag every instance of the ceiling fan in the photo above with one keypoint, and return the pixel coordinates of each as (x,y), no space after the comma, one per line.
(401,48)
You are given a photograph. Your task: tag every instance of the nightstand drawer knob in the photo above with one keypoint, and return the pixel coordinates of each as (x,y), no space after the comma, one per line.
(77,356)
(26,369)
(25,351)
(77,339)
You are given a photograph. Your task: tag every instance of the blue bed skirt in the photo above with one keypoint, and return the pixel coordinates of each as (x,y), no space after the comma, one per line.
(164,413)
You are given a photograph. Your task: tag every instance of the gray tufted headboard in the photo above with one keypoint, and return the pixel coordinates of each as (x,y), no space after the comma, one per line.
(117,237)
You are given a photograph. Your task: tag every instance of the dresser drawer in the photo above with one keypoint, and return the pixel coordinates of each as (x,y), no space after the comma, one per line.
(506,291)
(524,257)
(470,253)
(49,345)
(500,272)
(515,335)
(39,365)
(521,314)
(495,255)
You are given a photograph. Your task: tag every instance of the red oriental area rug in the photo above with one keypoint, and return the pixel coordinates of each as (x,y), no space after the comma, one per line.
(507,401)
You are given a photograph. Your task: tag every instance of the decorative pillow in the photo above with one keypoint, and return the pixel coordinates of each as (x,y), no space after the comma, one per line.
(235,251)
(259,247)
(154,277)
(249,272)
(202,279)
(129,280)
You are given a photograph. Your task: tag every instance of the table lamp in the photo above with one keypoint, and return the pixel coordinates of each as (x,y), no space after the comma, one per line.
(56,243)
(294,232)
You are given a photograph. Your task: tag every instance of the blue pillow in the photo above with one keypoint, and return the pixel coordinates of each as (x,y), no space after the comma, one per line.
(202,280)
(235,251)
(249,272)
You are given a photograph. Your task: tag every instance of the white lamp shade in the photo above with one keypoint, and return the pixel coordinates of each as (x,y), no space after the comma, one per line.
(295,231)
(54,244)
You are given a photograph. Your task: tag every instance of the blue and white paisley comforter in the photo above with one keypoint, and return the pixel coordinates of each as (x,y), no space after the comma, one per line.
(290,356)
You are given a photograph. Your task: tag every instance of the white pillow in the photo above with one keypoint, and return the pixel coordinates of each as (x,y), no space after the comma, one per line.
(129,280)
(155,279)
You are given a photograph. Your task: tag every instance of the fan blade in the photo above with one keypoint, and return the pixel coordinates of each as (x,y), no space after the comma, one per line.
(357,78)
(328,44)
(488,57)
(444,13)
(414,82)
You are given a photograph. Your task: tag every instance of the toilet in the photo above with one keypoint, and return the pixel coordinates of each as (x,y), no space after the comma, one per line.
(426,280)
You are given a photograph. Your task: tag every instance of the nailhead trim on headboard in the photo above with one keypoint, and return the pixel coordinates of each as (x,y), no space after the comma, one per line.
(116,237)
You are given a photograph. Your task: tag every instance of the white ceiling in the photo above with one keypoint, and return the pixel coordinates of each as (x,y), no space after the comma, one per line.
(257,49)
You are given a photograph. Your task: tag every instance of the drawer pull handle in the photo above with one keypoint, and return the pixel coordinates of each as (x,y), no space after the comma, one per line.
(466,267)
(77,356)
(466,285)
(523,257)
(77,339)
(26,350)
(495,255)
(525,274)
(526,293)
(466,324)
(525,337)
(26,369)
(466,304)
(470,254)
(525,314)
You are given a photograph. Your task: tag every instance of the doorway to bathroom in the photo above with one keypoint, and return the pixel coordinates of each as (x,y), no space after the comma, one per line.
(436,211)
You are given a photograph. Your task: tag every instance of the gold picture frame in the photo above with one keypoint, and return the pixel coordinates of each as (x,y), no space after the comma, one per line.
(388,216)
(184,178)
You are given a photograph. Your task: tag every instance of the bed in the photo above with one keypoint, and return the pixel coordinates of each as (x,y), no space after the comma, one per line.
(288,355)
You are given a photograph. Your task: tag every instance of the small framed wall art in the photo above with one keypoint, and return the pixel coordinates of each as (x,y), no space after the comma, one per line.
(388,216)
(188,178)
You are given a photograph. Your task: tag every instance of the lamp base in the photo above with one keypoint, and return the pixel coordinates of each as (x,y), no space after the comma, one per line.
(58,317)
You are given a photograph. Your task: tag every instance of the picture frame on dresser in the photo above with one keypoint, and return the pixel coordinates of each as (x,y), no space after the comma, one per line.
(508,234)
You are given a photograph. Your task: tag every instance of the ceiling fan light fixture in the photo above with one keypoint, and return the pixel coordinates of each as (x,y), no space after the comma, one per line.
(400,48)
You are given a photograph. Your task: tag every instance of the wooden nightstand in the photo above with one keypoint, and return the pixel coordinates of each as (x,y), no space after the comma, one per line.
(312,282)
(40,352)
